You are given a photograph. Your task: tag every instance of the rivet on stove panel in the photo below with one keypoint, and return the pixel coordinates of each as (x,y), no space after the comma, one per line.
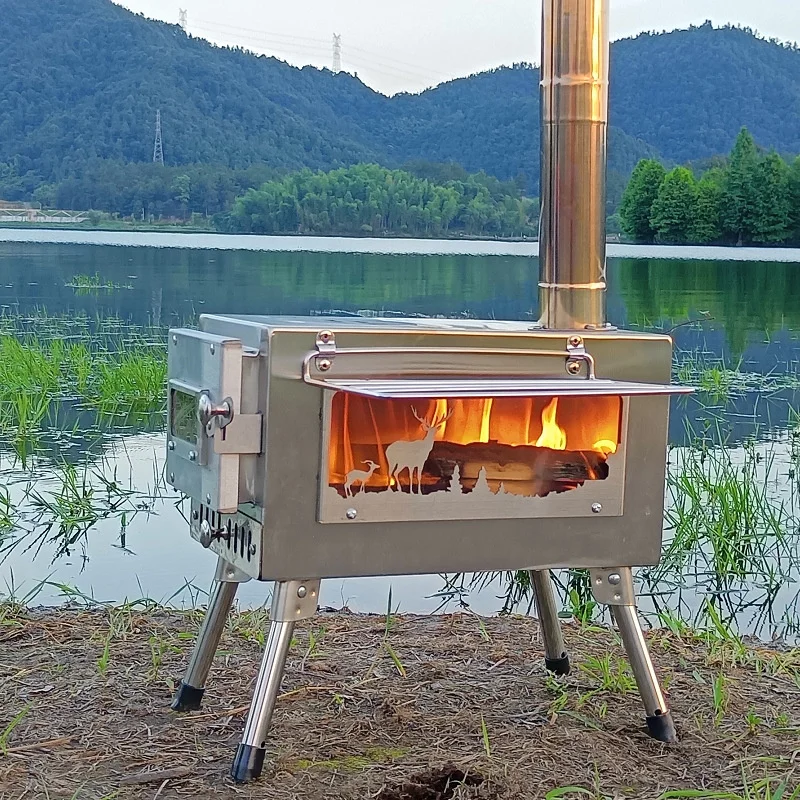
(302,592)
(323,364)
(195,514)
(212,349)
(192,456)
(575,341)
(252,549)
(618,596)
(615,579)
(171,445)
(174,340)
(351,513)
(172,477)
(596,508)
(208,499)
(573,367)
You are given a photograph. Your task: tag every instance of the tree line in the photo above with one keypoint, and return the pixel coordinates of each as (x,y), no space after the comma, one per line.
(140,191)
(373,200)
(749,198)
(420,199)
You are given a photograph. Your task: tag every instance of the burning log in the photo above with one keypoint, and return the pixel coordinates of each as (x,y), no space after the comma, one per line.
(511,463)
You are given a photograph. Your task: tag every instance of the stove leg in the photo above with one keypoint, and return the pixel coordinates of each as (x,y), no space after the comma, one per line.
(291,601)
(555,654)
(614,588)
(189,695)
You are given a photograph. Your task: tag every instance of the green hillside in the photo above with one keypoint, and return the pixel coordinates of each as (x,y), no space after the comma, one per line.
(82,79)
(688,93)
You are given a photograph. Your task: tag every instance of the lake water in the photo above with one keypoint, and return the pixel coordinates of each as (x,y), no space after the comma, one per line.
(734,307)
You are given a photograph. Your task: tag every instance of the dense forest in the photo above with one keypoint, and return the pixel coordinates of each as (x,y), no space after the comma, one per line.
(83,79)
(751,198)
(370,199)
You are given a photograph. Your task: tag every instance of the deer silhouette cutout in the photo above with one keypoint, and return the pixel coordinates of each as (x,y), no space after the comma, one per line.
(359,476)
(412,455)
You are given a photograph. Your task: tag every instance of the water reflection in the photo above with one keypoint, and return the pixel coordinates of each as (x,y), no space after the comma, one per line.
(734,326)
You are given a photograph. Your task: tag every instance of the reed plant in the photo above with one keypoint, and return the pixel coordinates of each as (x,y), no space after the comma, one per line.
(107,366)
(723,516)
(7,512)
(133,379)
(85,284)
(721,380)
(61,516)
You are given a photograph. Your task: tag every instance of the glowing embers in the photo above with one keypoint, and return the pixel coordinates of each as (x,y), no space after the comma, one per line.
(516,446)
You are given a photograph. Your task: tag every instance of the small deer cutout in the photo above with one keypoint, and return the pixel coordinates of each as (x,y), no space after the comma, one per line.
(359,476)
(413,455)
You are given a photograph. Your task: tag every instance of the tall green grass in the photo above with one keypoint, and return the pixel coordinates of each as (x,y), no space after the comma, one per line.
(723,514)
(103,364)
(133,379)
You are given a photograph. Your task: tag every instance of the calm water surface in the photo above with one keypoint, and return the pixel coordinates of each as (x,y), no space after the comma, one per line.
(740,307)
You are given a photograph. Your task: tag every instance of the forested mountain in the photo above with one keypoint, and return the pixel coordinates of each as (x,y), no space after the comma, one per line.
(81,80)
(688,93)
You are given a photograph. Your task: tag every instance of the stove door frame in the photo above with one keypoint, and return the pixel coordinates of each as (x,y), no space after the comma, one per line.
(595,497)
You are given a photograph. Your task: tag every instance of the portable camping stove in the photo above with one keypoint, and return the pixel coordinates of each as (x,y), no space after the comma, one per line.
(317,448)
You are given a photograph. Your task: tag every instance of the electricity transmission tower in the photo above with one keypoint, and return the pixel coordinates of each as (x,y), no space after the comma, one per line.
(182,17)
(337,53)
(158,148)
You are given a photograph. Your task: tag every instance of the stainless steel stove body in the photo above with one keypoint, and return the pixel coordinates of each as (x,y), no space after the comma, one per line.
(266,496)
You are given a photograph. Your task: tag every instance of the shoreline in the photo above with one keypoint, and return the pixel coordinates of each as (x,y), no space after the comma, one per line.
(385,709)
(375,246)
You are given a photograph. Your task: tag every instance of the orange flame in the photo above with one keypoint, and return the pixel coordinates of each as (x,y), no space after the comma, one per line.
(553,436)
(605,446)
(486,419)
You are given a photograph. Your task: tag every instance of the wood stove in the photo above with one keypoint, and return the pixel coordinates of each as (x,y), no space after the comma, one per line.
(314,448)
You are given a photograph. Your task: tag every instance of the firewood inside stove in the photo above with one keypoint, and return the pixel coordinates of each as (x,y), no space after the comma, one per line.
(510,463)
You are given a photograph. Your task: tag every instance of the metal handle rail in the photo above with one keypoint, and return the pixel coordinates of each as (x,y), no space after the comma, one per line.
(327,351)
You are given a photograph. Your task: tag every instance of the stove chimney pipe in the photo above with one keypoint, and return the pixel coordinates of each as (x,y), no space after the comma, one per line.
(574,125)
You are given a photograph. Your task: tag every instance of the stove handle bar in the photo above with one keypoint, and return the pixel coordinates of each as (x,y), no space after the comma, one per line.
(574,356)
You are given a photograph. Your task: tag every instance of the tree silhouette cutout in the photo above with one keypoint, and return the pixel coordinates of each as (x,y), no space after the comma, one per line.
(482,483)
(455,481)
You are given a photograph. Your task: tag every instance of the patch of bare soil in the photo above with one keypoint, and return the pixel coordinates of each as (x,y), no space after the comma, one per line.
(455,708)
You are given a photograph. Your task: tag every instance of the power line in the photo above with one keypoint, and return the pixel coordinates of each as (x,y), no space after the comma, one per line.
(250,31)
(321,55)
(268,43)
(392,66)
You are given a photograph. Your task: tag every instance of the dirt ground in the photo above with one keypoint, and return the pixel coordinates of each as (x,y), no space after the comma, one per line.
(436,708)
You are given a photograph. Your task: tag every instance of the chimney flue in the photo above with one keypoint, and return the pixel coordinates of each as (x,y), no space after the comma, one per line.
(574,126)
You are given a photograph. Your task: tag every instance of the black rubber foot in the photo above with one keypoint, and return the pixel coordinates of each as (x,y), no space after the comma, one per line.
(558,666)
(187,698)
(662,728)
(248,764)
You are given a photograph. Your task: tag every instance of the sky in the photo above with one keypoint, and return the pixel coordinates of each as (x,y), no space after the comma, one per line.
(408,45)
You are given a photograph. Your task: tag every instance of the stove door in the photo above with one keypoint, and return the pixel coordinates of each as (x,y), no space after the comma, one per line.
(207,430)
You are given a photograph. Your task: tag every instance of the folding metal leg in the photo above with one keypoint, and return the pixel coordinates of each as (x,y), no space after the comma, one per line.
(555,654)
(292,601)
(614,588)
(189,695)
